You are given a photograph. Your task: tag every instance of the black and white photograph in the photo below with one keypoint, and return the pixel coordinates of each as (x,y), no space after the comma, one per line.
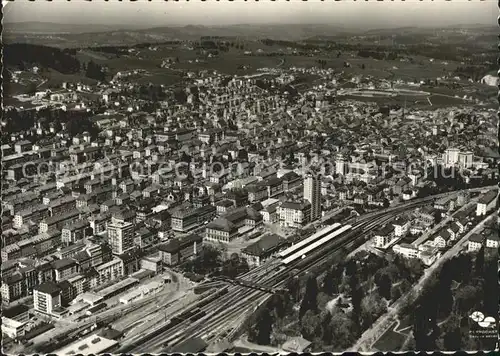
(265,177)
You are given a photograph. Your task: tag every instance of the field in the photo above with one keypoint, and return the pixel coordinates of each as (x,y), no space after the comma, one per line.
(390,340)
(160,77)
(56,79)
(403,324)
(436,100)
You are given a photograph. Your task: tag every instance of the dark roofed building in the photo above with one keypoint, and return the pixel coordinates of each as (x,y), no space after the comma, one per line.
(296,345)
(266,247)
(48,287)
(291,180)
(178,250)
(17,313)
(47,297)
(475,242)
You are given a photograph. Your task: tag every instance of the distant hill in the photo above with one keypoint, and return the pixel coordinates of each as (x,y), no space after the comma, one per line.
(58,28)
(20,55)
(78,35)
(71,36)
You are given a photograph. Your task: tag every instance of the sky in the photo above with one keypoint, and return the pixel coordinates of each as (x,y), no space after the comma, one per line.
(347,13)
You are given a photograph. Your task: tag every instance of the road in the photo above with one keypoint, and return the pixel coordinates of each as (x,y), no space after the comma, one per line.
(436,228)
(244,343)
(381,325)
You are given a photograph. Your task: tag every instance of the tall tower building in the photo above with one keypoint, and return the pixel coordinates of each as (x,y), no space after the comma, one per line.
(121,236)
(340,165)
(451,156)
(312,193)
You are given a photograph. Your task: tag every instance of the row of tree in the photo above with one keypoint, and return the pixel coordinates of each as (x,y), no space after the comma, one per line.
(211,261)
(365,281)
(21,55)
(441,315)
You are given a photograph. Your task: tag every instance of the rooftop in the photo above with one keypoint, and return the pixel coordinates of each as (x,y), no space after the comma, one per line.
(15,310)
(48,288)
(488,197)
(175,245)
(266,244)
(93,344)
(476,238)
(63,263)
(296,344)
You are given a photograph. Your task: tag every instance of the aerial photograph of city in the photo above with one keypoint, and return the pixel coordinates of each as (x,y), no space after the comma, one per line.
(249,177)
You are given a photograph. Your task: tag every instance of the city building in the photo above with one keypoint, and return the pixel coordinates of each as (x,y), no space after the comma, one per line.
(221,230)
(401,226)
(90,345)
(312,193)
(295,214)
(120,236)
(14,321)
(47,298)
(475,242)
(260,251)
(406,250)
(384,236)
(486,202)
(456,157)
(493,240)
(176,251)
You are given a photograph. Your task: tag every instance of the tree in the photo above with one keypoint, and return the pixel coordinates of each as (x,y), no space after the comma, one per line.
(94,71)
(76,126)
(310,324)
(465,299)
(279,303)
(260,333)
(309,302)
(437,216)
(328,282)
(489,287)
(31,88)
(452,335)
(384,285)
(386,203)
(356,298)
(292,285)
(325,320)
(479,263)
(372,306)
(343,330)
(395,293)
(420,329)
(416,268)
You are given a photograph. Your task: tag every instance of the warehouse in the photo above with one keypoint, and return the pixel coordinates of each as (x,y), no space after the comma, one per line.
(117,288)
(142,291)
(91,345)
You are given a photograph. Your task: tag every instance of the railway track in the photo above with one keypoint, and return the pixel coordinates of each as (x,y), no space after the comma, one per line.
(240,300)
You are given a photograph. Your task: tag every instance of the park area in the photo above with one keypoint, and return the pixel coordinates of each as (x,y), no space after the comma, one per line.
(391,340)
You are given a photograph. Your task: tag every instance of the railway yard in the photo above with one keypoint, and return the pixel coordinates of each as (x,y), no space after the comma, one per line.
(219,313)
(165,321)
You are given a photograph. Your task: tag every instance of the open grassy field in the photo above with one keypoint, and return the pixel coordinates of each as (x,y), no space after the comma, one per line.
(88,55)
(12,88)
(160,76)
(55,79)
(390,340)
(404,323)
(232,64)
